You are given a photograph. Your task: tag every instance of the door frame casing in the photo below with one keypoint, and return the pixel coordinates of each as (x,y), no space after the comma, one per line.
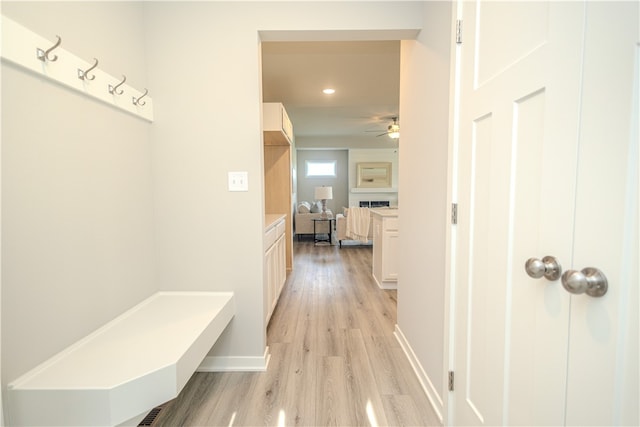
(452,199)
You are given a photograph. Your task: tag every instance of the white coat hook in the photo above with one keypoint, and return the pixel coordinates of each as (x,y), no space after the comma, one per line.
(114,89)
(43,55)
(84,75)
(136,101)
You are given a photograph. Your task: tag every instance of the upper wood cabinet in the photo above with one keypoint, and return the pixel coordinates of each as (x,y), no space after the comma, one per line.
(277,127)
(278,147)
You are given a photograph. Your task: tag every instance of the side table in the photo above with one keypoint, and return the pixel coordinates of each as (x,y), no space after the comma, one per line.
(318,236)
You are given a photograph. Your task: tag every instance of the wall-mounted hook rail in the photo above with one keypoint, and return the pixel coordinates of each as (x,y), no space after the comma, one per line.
(114,89)
(136,101)
(84,75)
(43,55)
(17,46)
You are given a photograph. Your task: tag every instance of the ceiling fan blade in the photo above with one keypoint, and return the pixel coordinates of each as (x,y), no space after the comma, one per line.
(391,129)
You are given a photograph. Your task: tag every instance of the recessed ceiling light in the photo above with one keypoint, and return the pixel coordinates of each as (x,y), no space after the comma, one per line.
(328,91)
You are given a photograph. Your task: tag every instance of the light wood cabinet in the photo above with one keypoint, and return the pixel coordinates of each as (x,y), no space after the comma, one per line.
(277,127)
(385,247)
(278,135)
(275,264)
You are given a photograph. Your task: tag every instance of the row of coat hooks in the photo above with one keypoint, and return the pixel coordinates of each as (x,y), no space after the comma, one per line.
(47,56)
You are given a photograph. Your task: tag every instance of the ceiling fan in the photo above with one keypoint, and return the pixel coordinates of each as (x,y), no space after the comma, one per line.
(393,130)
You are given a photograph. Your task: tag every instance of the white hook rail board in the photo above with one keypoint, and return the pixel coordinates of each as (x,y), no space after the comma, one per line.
(19,46)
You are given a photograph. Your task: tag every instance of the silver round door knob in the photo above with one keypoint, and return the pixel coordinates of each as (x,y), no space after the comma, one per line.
(590,281)
(547,267)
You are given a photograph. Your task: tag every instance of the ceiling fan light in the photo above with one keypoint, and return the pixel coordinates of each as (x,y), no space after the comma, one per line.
(394,130)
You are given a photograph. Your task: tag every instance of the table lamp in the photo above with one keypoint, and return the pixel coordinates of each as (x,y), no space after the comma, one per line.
(324,194)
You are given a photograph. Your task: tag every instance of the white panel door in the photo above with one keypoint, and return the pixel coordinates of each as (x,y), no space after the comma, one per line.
(517,159)
(522,176)
(602,385)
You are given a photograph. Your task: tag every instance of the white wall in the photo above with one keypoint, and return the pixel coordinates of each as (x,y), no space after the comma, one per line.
(77,222)
(343,142)
(373,155)
(424,108)
(306,186)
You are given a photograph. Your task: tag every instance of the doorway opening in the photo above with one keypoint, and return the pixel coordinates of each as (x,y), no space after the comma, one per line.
(345,127)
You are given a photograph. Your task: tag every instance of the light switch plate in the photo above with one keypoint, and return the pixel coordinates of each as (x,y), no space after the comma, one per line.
(238,181)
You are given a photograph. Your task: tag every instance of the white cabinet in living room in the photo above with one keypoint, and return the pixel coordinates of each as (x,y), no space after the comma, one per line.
(385,247)
(275,261)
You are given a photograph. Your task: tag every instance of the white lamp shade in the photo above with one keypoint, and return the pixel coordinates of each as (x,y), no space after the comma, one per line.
(324,193)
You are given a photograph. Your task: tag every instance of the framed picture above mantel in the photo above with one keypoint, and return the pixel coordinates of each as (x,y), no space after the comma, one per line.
(373,175)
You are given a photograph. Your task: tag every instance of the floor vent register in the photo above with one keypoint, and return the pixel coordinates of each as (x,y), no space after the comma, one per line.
(150,418)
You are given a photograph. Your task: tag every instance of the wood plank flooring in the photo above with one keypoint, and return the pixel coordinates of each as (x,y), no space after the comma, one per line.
(334,359)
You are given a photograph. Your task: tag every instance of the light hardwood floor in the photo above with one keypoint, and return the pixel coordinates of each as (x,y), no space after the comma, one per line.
(334,358)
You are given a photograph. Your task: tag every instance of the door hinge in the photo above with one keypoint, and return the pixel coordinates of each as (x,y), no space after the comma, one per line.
(454,213)
(450,380)
(459,31)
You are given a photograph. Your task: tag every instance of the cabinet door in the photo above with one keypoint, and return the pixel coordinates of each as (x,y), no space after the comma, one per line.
(282,265)
(271,258)
(390,255)
(377,248)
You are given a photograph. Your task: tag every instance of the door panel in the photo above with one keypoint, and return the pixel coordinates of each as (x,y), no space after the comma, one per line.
(604,331)
(502,42)
(481,323)
(517,150)
(536,306)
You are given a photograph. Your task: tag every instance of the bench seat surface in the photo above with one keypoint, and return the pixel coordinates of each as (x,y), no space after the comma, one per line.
(158,343)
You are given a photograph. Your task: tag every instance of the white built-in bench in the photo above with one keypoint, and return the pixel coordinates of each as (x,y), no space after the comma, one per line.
(139,360)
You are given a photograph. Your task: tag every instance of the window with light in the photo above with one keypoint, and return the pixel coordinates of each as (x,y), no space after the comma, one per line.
(320,168)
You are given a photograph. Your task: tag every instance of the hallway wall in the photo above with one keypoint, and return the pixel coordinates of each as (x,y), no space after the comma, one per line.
(208,122)
(424,108)
(77,200)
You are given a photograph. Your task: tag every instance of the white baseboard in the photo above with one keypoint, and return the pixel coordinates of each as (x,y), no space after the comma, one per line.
(385,285)
(427,385)
(235,364)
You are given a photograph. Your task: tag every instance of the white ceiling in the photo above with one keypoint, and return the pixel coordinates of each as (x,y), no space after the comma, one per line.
(365,75)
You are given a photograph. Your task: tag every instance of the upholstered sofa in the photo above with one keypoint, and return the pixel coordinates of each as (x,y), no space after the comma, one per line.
(341,228)
(304,216)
